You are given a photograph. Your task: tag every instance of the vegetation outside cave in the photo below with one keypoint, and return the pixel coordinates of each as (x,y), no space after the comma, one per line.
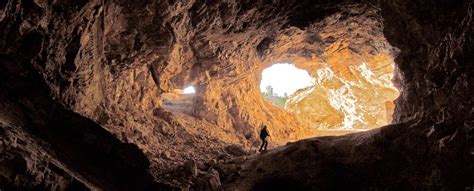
(274,98)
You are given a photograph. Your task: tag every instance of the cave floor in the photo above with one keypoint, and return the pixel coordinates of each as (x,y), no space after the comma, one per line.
(230,167)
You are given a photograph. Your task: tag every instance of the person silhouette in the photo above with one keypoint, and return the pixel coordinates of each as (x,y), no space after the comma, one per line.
(263,136)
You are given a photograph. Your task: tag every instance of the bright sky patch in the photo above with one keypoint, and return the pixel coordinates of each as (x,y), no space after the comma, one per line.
(285,78)
(189,90)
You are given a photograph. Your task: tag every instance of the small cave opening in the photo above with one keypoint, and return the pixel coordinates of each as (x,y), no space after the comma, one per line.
(189,90)
(179,100)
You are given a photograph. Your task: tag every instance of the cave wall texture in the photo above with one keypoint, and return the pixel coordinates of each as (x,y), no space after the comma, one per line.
(82,83)
(352,64)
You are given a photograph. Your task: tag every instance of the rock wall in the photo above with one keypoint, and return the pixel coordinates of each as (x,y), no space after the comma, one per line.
(46,146)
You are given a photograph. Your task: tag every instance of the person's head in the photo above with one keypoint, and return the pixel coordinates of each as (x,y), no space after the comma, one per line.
(264,127)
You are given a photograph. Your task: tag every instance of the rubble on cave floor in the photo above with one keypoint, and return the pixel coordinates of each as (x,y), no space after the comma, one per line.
(204,174)
(226,169)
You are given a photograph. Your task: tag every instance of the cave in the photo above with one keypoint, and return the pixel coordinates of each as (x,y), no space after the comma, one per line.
(166,95)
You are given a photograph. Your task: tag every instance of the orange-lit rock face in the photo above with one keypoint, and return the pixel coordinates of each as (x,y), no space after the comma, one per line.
(349,93)
(352,64)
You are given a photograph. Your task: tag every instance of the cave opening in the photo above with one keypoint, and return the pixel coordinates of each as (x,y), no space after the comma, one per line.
(179,100)
(344,94)
(281,80)
(352,70)
(189,90)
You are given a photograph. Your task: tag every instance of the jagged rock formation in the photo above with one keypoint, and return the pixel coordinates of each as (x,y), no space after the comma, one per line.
(83,83)
(353,73)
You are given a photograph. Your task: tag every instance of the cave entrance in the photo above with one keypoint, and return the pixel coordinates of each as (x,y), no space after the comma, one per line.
(335,96)
(179,100)
(352,65)
(281,80)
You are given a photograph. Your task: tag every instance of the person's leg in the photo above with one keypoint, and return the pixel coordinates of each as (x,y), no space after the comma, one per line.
(266,143)
(261,146)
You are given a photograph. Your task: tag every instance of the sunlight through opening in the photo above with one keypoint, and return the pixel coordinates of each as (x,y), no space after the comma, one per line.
(281,80)
(189,90)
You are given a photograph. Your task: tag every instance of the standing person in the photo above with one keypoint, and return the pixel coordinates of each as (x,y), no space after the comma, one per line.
(263,135)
